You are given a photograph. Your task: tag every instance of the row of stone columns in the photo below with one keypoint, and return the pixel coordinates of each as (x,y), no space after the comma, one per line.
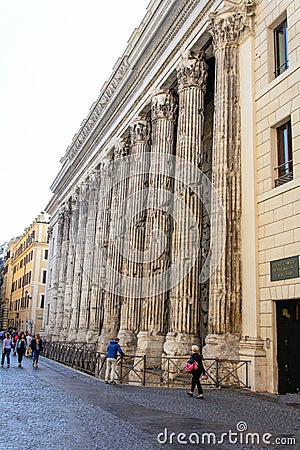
(95,216)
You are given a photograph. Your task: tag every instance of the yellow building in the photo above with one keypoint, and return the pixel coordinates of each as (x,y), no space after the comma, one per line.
(5,281)
(26,269)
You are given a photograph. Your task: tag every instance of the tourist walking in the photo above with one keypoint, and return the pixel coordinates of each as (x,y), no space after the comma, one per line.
(196,373)
(15,337)
(111,360)
(21,348)
(28,348)
(36,348)
(6,349)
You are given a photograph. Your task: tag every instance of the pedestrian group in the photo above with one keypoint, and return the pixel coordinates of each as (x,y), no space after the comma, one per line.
(21,344)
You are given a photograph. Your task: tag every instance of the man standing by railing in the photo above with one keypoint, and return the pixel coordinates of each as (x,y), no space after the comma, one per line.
(111,360)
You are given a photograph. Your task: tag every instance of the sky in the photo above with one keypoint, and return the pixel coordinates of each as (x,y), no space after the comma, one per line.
(55,55)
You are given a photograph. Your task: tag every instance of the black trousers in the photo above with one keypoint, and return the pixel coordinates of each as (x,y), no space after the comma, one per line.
(21,353)
(196,382)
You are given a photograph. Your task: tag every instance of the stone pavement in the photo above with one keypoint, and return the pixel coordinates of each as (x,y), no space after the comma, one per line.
(55,407)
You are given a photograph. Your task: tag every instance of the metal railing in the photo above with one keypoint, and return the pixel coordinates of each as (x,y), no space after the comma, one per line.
(285,173)
(141,370)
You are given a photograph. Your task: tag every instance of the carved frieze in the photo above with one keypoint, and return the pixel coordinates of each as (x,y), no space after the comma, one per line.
(97,109)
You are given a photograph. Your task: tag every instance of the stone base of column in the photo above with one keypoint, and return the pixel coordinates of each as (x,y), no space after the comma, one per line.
(252,349)
(222,346)
(64,335)
(127,342)
(55,337)
(150,344)
(82,335)
(179,344)
(72,336)
(92,336)
(225,347)
(109,331)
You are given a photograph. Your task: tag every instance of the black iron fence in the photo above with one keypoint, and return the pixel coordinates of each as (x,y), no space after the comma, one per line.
(138,369)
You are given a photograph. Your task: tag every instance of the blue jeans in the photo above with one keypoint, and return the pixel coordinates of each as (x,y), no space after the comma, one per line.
(7,354)
(35,356)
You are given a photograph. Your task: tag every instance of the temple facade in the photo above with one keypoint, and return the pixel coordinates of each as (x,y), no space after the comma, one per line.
(174,215)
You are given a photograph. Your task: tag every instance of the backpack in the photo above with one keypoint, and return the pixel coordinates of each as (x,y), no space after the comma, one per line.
(190,367)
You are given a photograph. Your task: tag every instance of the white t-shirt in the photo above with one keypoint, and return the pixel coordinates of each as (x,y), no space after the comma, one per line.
(7,343)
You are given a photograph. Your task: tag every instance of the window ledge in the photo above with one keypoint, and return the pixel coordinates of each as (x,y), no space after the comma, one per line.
(275,82)
(279,190)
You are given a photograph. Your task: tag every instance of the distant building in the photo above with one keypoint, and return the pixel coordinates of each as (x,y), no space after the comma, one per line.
(3,303)
(25,275)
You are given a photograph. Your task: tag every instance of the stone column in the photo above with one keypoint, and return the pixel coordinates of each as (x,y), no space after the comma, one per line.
(62,271)
(100,260)
(131,307)
(184,320)
(80,244)
(54,282)
(88,260)
(224,325)
(70,265)
(112,299)
(154,309)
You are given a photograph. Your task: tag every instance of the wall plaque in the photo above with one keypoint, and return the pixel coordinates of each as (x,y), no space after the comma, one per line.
(285,268)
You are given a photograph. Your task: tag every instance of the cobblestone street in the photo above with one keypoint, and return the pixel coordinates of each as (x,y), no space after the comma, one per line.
(54,407)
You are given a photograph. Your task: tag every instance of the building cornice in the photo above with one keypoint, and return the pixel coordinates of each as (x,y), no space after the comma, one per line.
(149,42)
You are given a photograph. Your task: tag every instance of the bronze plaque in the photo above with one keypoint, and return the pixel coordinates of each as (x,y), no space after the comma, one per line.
(285,268)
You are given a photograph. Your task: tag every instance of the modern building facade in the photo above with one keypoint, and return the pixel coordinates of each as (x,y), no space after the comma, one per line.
(26,276)
(175,215)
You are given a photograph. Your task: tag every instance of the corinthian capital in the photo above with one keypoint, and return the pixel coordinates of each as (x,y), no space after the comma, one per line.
(140,131)
(163,105)
(74,198)
(94,178)
(192,71)
(122,148)
(229,25)
(49,233)
(84,188)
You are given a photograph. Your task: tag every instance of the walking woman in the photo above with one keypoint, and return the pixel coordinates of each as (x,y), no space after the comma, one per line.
(195,356)
(6,349)
(37,348)
(21,348)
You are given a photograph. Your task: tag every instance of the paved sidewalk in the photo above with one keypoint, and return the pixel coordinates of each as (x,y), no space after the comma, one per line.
(55,407)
